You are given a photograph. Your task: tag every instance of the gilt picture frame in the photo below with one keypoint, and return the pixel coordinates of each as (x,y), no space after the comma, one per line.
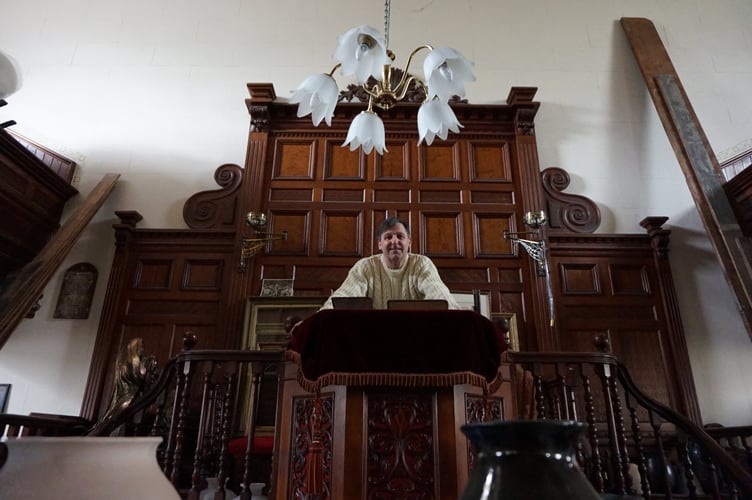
(265,318)
(512,336)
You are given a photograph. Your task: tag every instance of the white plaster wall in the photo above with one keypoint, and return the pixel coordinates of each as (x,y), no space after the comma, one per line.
(155,89)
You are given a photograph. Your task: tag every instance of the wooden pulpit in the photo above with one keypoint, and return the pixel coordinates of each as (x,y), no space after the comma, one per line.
(372,401)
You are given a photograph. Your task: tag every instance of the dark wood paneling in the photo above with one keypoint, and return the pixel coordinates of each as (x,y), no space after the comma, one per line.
(458,195)
(32,197)
(609,294)
(163,284)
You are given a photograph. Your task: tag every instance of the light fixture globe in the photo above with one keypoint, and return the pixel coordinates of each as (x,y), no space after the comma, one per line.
(316,96)
(436,119)
(367,131)
(10,75)
(362,52)
(446,72)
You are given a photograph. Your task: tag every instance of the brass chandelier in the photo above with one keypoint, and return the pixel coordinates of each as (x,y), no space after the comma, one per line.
(364,54)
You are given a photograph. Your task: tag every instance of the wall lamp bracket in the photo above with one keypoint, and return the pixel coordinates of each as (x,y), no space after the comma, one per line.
(536,249)
(251,246)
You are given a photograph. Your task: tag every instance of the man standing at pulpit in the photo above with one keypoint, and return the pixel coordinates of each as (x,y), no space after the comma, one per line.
(395,273)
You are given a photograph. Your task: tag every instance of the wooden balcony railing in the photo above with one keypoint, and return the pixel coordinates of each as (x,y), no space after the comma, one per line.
(634,444)
(214,407)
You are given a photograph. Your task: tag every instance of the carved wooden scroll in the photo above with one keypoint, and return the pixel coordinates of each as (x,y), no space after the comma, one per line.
(216,209)
(568,212)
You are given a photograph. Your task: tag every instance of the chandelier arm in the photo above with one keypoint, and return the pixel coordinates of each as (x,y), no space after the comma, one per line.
(374,92)
(406,87)
(331,73)
(409,61)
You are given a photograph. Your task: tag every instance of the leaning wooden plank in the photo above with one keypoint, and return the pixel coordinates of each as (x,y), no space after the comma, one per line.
(18,298)
(696,159)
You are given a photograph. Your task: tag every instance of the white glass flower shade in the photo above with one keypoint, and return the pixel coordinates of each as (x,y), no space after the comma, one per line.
(359,58)
(10,75)
(446,72)
(317,96)
(436,119)
(367,131)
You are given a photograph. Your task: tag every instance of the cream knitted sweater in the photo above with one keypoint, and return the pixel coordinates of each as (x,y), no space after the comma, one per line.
(417,279)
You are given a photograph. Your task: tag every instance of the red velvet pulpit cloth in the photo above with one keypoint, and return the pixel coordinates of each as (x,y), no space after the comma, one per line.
(403,348)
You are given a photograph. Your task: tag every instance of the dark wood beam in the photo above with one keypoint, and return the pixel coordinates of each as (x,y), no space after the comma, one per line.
(28,285)
(696,159)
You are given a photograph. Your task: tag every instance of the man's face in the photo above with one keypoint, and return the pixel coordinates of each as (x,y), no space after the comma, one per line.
(394,244)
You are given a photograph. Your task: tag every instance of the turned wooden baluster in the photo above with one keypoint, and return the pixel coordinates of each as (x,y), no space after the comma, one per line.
(597,472)
(637,438)
(226,424)
(257,372)
(656,424)
(559,398)
(207,400)
(540,397)
(607,382)
(689,474)
(183,392)
(622,472)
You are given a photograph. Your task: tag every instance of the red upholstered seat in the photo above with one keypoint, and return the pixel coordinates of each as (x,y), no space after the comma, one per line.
(262,445)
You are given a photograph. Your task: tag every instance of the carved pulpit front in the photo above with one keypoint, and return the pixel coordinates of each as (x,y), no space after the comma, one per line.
(372,402)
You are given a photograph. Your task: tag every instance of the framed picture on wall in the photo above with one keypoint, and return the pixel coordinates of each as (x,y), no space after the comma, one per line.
(276,288)
(513,337)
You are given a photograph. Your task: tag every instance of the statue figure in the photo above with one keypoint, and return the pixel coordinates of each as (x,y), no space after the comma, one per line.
(134,372)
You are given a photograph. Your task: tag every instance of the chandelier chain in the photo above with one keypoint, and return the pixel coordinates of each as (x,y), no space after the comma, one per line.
(387,16)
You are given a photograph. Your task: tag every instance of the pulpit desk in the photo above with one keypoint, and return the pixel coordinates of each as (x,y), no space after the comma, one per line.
(371,403)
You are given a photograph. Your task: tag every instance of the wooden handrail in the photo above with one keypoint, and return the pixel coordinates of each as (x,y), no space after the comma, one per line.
(710,446)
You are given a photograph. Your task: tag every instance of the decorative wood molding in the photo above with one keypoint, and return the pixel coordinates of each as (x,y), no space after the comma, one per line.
(262,95)
(64,167)
(522,99)
(217,208)
(32,198)
(567,212)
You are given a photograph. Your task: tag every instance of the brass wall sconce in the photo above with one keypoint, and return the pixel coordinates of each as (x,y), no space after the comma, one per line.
(535,249)
(252,246)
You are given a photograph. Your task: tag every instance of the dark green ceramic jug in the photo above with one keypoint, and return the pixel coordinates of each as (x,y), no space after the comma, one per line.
(526,460)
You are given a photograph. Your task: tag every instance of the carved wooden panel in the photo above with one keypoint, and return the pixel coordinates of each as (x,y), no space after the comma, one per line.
(401,452)
(480,409)
(304,423)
